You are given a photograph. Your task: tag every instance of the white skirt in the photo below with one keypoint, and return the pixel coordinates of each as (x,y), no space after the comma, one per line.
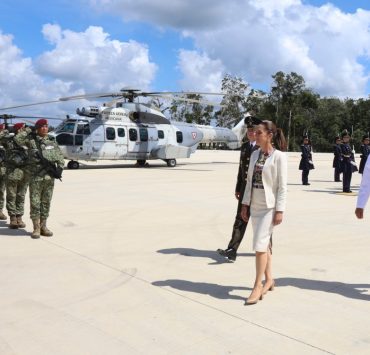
(262,218)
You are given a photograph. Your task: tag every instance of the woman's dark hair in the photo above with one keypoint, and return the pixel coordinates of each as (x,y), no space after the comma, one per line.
(278,138)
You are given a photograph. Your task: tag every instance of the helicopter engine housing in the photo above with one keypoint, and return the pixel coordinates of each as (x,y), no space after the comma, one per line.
(89,111)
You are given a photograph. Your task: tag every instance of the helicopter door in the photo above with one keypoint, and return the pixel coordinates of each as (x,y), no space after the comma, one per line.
(121,143)
(83,138)
(138,142)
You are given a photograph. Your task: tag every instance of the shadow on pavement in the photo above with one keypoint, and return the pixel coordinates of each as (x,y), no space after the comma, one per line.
(214,290)
(355,291)
(6,231)
(210,254)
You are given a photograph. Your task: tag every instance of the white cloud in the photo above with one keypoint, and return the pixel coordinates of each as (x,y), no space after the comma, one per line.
(79,63)
(94,62)
(256,38)
(19,83)
(200,72)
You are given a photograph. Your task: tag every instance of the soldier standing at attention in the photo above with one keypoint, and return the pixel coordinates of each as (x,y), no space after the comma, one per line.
(46,164)
(240,226)
(306,163)
(348,161)
(2,172)
(337,159)
(365,151)
(17,179)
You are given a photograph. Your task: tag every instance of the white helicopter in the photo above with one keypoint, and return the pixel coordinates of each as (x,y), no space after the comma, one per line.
(126,130)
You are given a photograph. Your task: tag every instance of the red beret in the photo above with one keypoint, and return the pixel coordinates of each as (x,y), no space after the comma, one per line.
(2,126)
(18,126)
(41,122)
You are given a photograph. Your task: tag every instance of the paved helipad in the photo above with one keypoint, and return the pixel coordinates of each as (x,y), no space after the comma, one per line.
(132,268)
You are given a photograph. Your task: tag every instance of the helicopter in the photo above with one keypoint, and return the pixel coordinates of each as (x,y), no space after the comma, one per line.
(123,129)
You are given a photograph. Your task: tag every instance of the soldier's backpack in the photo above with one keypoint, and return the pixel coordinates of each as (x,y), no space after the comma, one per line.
(16,155)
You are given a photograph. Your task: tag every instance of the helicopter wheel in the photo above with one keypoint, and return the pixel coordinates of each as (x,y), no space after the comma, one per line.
(171,163)
(141,163)
(73,164)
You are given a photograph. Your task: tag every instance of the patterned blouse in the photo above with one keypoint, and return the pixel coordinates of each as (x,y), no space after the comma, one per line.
(257,182)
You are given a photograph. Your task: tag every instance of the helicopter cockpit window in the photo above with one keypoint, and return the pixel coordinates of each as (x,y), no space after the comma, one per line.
(83,129)
(179,137)
(132,134)
(160,134)
(64,139)
(110,133)
(67,127)
(121,132)
(143,134)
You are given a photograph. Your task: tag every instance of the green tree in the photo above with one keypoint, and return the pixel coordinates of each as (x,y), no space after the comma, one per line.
(233,102)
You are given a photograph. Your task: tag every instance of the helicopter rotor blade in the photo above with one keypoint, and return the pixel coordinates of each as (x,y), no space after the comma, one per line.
(28,105)
(7,117)
(203,102)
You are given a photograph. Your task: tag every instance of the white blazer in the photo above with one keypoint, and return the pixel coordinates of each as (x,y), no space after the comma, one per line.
(363,194)
(274,178)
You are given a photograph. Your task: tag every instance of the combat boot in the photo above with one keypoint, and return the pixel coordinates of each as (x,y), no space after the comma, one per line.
(36,229)
(44,230)
(2,216)
(20,223)
(13,222)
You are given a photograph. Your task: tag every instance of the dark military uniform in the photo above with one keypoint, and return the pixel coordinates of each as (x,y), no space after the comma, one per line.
(337,162)
(306,162)
(240,225)
(347,166)
(41,183)
(365,151)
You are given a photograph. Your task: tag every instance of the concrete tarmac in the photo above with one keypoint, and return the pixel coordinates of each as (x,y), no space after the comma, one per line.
(132,267)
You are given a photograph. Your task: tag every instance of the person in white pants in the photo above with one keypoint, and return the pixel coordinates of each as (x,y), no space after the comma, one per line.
(364,192)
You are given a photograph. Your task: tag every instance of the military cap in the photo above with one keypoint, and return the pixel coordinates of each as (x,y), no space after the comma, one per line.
(18,126)
(365,137)
(345,133)
(251,121)
(41,122)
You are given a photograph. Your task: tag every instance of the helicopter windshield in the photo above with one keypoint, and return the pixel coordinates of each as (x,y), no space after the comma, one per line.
(67,127)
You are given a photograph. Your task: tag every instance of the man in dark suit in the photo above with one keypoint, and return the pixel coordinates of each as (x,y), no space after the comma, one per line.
(348,165)
(240,226)
(337,161)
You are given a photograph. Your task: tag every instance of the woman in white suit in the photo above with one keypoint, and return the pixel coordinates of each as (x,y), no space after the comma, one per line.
(264,200)
(364,193)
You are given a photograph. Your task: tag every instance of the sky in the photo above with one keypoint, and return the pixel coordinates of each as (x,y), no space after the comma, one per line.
(63,47)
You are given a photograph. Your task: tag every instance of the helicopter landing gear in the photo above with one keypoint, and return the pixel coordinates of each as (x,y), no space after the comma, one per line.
(171,162)
(141,163)
(73,164)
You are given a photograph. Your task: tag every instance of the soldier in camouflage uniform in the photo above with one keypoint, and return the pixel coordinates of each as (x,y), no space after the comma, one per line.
(17,179)
(42,181)
(3,132)
(240,225)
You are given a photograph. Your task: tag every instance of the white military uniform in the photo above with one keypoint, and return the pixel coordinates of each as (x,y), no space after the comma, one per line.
(364,192)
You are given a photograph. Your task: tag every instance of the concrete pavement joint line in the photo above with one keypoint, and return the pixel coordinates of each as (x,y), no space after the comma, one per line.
(188,298)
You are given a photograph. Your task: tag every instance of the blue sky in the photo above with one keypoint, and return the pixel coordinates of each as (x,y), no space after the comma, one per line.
(60,48)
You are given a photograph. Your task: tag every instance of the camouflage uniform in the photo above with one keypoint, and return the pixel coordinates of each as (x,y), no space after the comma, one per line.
(2,174)
(17,180)
(41,183)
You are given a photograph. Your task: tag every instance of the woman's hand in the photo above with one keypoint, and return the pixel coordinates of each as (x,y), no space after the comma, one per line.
(278,218)
(359,212)
(244,213)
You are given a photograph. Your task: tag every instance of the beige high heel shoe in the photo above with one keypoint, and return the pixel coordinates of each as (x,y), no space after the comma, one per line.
(268,288)
(255,296)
